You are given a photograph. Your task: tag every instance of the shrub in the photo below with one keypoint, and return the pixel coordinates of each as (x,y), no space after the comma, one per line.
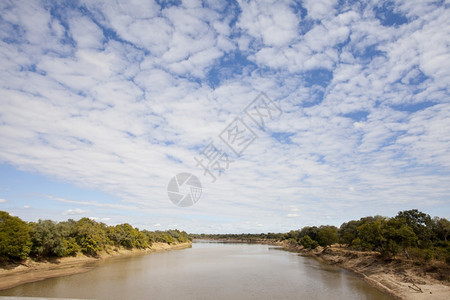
(308,243)
(15,242)
(327,235)
(47,239)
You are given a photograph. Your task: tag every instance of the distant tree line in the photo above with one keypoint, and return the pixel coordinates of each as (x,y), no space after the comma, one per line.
(247,237)
(46,238)
(411,233)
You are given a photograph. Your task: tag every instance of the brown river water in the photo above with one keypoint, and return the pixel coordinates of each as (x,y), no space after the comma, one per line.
(208,270)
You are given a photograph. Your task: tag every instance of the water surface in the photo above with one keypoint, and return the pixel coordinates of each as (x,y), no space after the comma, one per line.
(208,271)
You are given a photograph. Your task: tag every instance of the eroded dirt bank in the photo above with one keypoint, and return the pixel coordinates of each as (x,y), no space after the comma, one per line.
(12,275)
(400,278)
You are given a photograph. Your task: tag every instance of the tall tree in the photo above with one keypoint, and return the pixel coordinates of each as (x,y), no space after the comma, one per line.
(420,223)
(348,232)
(398,233)
(371,235)
(327,235)
(47,239)
(91,236)
(441,228)
(15,239)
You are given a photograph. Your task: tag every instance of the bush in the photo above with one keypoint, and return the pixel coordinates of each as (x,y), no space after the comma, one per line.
(71,248)
(15,242)
(390,249)
(348,232)
(308,243)
(327,235)
(293,241)
(356,244)
(47,239)
(421,254)
(91,236)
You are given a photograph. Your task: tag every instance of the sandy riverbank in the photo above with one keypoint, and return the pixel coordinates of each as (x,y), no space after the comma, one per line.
(29,271)
(400,278)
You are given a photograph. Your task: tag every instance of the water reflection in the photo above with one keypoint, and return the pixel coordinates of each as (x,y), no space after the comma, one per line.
(208,271)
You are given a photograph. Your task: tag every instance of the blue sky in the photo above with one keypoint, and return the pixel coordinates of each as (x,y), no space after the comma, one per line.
(103,102)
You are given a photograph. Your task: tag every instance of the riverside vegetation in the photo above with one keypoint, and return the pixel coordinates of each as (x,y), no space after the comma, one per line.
(407,256)
(48,239)
(410,240)
(411,233)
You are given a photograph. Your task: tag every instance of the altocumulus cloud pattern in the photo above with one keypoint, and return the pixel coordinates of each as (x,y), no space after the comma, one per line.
(118,96)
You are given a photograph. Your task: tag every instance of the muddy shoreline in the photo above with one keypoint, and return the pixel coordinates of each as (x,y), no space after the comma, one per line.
(12,275)
(399,278)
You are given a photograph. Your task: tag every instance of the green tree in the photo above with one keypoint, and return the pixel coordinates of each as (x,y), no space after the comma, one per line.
(90,236)
(398,234)
(183,237)
(151,236)
(293,235)
(311,231)
(273,236)
(308,243)
(164,237)
(327,235)
(70,246)
(68,230)
(420,223)
(47,239)
(127,236)
(370,235)
(406,237)
(441,228)
(142,240)
(348,232)
(123,235)
(15,239)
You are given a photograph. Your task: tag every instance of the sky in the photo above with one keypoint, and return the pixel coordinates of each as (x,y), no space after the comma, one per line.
(289,113)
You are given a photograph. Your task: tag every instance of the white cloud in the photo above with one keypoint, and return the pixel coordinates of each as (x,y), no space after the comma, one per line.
(76,211)
(293,215)
(273,22)
(320,9)
(128,103)
(86,33)
(3,200)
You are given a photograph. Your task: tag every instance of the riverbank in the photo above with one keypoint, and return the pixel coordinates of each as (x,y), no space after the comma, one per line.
(400,278)
(12,275)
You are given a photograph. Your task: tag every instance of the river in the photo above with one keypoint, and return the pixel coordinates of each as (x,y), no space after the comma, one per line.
(208,270)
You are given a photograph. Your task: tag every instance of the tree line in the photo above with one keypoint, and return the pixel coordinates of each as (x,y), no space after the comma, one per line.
(410,233)
(46,238)
(247,237)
